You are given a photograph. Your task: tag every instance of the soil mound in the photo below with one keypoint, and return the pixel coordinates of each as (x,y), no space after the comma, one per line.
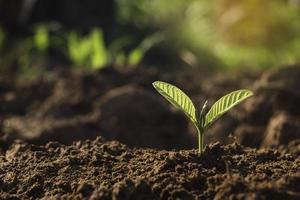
(271,117)
(140,118)
(276,93)
(68,106)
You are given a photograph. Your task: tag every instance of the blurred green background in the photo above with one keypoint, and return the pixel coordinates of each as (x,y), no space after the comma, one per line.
(40,35)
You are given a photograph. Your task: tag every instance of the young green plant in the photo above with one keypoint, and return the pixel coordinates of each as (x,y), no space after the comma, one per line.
(203,119)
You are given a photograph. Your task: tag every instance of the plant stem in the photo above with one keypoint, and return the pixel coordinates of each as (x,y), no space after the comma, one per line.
(200,131)
(202,141)
(199,143)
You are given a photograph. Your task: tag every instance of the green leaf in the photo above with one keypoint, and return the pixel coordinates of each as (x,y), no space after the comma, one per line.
(41,38)
(178,98)
(78,49)
(99,54)
(224,104)
(135,56)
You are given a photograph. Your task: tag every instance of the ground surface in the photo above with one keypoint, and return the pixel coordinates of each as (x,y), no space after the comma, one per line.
(109,170)
(149,162)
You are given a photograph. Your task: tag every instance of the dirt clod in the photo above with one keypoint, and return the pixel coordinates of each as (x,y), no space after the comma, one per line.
(282,129)
(141,119)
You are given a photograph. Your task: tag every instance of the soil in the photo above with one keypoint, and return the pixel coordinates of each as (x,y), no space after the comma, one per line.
(109,135)
(110,170)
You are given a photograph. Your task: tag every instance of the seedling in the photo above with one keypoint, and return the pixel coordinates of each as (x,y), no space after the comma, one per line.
(203,119)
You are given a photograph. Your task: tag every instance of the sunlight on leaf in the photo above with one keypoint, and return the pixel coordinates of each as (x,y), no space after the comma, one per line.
(178,98)
(224,104)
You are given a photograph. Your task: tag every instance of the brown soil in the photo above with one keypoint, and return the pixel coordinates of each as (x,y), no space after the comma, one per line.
(41,120)
(117,104)
(271,117)
(110,170)
(69,106)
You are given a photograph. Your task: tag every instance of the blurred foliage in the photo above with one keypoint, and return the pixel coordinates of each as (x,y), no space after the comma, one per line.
(26,55)
(2,38)
(228,33)
(91,51)
(135,56)
(30,56)
(88,51)
(216,34)
(41,38)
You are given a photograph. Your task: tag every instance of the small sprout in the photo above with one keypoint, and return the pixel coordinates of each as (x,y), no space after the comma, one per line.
(203,119)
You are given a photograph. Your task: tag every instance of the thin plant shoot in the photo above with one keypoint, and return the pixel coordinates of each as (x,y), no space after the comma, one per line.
(204,118)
